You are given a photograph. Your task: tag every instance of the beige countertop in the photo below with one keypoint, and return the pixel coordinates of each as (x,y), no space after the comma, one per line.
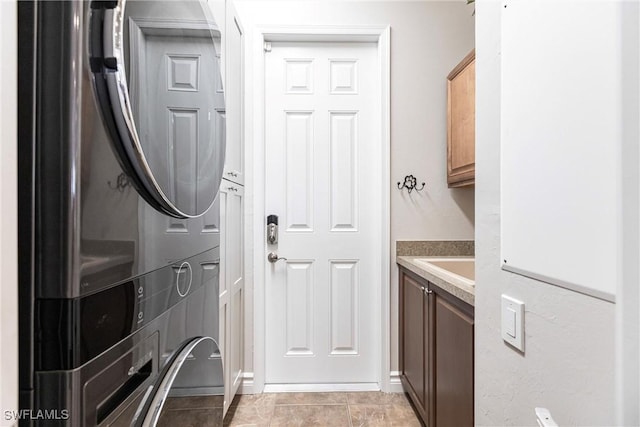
(458,288)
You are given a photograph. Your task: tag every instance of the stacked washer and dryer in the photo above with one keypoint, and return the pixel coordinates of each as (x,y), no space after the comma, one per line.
(121,155)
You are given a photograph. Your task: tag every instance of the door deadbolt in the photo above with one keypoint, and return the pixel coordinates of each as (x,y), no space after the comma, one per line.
(272,229)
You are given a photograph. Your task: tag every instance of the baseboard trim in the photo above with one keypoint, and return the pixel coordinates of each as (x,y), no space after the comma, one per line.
(395,385)
(246,387)
(283,388)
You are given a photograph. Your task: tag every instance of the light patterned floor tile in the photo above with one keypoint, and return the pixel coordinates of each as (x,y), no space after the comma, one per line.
(376,398)
(361,409)
(311,398)
(368,415)
(310,415)
(263,399)
(258,416)
(383,416)
(402,416)
(191,418)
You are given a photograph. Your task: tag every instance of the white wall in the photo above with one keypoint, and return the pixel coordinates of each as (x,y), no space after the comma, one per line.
(427,40)
(570,361)
(9,211)
(628,292)
(569,153)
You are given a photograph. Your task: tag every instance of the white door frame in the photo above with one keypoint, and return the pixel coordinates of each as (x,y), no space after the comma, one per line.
(381,36)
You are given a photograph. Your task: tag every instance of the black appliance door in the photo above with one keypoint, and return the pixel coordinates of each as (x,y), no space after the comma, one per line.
(191,379)
(157,80)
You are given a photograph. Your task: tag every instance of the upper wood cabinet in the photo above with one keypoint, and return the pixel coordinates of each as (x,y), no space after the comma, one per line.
(461,123)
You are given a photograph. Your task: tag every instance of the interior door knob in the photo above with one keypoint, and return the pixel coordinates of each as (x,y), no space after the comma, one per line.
(273,257)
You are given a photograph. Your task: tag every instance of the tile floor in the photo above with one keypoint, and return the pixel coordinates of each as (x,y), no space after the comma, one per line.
(192,411)
(322,409)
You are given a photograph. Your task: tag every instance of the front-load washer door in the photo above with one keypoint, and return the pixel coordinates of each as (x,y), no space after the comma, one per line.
(188,391)
(157,79)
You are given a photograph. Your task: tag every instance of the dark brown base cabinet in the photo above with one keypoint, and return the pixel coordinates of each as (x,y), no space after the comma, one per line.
(436,352)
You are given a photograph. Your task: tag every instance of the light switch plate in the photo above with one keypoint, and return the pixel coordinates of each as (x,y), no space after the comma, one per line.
(513,322)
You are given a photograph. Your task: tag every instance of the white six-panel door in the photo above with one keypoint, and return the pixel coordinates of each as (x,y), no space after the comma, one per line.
(321,180)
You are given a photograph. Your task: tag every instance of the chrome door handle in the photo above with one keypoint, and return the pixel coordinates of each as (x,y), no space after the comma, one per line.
(273,257)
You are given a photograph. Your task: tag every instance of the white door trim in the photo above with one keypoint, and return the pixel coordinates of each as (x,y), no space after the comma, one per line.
(381,36)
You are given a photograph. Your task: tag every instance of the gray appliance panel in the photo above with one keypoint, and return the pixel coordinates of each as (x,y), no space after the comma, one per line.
(93,228)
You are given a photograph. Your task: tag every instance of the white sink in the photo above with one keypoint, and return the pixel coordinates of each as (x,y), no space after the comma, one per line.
(457,269)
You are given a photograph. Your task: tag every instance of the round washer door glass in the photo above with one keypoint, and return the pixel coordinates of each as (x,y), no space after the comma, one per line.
(166,98)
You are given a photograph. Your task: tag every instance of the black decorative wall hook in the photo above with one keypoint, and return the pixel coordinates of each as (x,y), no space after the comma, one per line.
(122,182)
(410,183)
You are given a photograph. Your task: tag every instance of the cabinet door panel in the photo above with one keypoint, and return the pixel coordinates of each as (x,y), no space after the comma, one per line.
(225,306)
(231,286)
(453,365)
(234,161)
(413,352)
(461,123)
(235,280)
